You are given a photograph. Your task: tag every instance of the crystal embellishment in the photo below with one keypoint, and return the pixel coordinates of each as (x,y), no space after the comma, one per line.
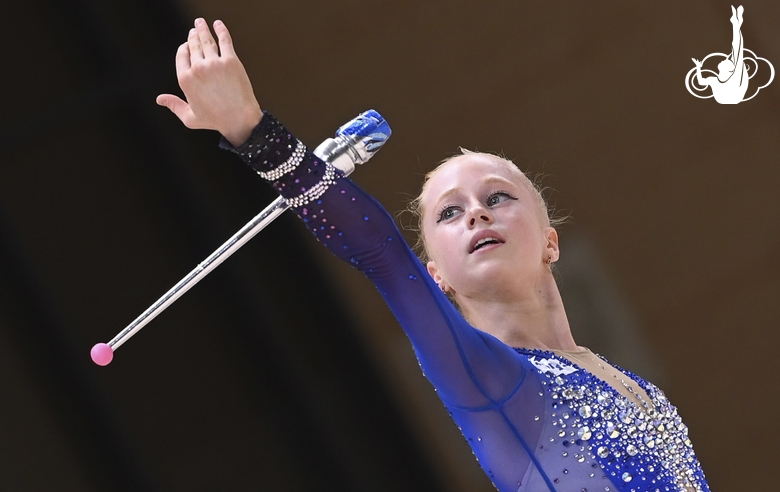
(644,443)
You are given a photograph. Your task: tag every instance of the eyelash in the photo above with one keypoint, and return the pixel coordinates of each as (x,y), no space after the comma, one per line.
(447,208)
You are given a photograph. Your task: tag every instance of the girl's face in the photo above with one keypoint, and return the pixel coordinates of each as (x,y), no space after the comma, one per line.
(483,228)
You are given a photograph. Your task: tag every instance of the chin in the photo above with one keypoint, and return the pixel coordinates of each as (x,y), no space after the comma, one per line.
(496,276)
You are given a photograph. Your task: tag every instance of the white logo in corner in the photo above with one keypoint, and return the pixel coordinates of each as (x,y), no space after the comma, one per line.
(553,366)
(730,84)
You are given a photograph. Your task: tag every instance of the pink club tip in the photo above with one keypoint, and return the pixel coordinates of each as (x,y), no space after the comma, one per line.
(102,354)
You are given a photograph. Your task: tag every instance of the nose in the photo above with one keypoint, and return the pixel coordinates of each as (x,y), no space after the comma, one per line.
(478,213)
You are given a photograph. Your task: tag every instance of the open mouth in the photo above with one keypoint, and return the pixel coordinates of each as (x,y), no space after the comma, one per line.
(486,241)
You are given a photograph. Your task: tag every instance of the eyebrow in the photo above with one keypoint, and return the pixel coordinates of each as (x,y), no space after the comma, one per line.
(489,180)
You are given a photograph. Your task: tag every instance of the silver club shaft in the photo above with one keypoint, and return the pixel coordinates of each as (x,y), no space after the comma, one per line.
(250,230)
(355,143)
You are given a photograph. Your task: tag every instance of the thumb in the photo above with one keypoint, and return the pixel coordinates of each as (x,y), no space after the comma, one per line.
(180,108)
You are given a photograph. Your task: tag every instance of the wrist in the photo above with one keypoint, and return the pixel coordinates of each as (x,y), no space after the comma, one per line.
(277,156)
(241,128)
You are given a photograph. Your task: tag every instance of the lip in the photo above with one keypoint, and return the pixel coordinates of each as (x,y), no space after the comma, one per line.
(482,235)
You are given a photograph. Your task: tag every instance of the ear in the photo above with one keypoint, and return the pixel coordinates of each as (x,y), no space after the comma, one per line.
(433,270)
(551,249)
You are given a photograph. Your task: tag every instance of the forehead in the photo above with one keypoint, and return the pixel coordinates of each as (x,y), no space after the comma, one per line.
(467,171)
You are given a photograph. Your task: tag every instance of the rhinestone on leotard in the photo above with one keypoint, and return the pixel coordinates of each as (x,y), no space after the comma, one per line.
(627,438)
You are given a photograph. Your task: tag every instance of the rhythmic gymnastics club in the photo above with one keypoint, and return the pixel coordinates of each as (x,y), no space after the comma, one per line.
(355,143)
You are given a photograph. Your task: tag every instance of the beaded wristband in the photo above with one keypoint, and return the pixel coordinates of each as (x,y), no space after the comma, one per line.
(288,166)
(269,143)
(315,191)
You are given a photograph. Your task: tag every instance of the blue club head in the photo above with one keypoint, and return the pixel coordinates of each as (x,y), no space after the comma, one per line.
(369,126)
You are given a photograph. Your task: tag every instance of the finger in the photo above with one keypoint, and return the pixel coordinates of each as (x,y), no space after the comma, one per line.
(206,39)
(170,101)
(196,52)
(182,59)
(177,106)
(225,41)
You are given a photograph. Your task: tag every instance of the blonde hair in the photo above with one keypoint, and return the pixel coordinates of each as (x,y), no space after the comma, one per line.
(415,205)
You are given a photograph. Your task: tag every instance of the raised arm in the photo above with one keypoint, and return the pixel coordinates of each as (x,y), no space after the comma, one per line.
(701,80)
(469,367)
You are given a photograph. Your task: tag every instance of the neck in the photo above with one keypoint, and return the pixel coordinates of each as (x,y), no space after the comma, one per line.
(534,319)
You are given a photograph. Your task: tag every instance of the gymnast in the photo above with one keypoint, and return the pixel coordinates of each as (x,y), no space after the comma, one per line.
(484,314)
(731,84)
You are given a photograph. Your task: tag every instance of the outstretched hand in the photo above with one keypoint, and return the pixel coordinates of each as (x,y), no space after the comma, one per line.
(216,86)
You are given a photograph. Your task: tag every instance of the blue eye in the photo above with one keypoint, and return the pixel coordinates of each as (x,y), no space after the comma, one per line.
(497,197)
(447,213)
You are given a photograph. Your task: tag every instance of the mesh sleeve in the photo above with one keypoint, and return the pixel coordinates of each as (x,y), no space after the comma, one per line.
(469,368)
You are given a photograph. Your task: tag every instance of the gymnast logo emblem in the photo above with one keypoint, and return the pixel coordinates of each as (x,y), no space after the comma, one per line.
(552,366)
(730,84)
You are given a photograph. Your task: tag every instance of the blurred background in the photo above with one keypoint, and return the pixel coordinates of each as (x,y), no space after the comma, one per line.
(283,370)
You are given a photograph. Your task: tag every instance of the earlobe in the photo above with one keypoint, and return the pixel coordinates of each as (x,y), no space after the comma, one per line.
(433,270)
(553,252)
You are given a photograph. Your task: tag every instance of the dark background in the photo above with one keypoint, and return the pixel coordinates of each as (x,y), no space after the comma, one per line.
(283,370)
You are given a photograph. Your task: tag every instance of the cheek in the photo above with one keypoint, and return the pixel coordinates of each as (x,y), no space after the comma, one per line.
(428,240)
(528,234)
(440,245)
(433,244)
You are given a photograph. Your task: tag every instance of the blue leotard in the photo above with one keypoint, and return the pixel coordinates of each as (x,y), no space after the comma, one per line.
(535,421)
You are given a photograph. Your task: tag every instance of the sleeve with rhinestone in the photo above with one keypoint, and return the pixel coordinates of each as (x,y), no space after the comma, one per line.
(468,367)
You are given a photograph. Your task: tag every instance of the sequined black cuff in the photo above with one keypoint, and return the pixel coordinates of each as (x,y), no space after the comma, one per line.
(279,157)
(269,145)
